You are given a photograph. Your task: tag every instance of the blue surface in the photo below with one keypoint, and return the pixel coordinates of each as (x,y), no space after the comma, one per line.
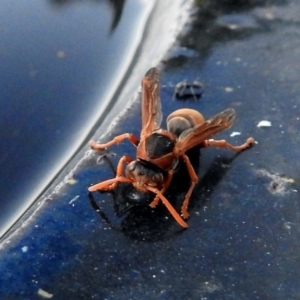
(59,65)
(243,237)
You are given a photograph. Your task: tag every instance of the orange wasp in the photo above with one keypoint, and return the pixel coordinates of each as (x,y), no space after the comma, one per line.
(159,150)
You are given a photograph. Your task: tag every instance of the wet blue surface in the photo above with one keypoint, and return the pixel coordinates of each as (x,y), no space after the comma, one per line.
(243,236)
(60,61)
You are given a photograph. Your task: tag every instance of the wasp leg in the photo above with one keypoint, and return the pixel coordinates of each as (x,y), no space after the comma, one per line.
(165,187)
(112,183)
(118,139)
(193,92)
(120,168)
(106,185)
(194,178)
(171,209)
(225,144)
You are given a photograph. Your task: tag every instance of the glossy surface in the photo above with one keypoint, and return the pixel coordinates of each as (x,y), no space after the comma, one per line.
(61,62)
(243,236)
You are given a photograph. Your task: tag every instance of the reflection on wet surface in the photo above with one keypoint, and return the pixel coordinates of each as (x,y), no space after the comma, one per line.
(58,73)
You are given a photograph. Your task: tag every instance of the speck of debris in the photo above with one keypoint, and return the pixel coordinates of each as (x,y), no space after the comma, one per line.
(71,181)
(234,133)
(25,249)
(264,123)
(61,54)
(229,89)
(44,294)
(287,226)
(74,199)
(278,184)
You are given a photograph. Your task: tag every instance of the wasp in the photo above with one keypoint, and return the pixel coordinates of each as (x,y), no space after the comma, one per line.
(159,151)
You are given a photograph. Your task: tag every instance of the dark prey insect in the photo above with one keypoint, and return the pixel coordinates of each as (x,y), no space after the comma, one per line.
(159,150)
(186,89)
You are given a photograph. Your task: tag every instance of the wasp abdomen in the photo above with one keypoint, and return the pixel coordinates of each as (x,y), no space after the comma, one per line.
(183,119)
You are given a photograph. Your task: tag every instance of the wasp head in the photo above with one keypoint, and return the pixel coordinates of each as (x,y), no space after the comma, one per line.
(144,174)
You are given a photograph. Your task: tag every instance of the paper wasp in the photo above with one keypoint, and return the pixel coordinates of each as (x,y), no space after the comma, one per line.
(159,150)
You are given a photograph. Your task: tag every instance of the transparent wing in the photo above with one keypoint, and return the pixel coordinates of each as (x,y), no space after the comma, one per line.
(197,135)
(151,105)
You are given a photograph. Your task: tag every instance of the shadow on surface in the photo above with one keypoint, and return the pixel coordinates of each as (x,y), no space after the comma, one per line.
(138,221)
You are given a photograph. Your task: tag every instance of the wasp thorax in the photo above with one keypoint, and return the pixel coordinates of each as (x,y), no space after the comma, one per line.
(159,145)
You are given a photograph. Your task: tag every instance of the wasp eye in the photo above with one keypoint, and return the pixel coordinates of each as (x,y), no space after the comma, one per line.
(157,178)
(131,166)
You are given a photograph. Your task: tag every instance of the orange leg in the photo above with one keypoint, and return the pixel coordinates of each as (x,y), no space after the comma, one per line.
(225,144)
(171,209)
(165,187)
(194,178)
(121,162)
(112,183)
(118,139)
(106,185)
